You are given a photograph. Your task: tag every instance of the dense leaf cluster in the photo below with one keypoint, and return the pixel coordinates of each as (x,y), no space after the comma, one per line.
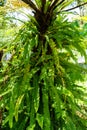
(39,89)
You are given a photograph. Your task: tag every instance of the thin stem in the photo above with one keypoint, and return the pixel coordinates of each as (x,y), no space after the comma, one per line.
(72,8)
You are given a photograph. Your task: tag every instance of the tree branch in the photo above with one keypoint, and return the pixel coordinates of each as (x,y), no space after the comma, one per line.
(43,4)
(59,3)
(72,8)
(54,5)
(31,4)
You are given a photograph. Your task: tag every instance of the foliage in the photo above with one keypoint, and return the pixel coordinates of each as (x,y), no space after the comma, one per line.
(38,83)
(2,2)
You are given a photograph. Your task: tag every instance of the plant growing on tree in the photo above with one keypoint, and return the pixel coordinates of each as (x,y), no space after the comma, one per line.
(38,83)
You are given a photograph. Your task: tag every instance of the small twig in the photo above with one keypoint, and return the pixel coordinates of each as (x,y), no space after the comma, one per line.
(72,8)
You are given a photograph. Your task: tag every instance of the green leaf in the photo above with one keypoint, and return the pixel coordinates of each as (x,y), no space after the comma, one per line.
(36,93)
(70,125)
(66,3)
(18,103)
(38,2)
(5,93)
(11,112)
(22,124)
(39,119)
(31,127)
(46,113)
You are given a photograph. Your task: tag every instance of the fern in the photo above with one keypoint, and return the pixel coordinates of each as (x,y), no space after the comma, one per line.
(40,90)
